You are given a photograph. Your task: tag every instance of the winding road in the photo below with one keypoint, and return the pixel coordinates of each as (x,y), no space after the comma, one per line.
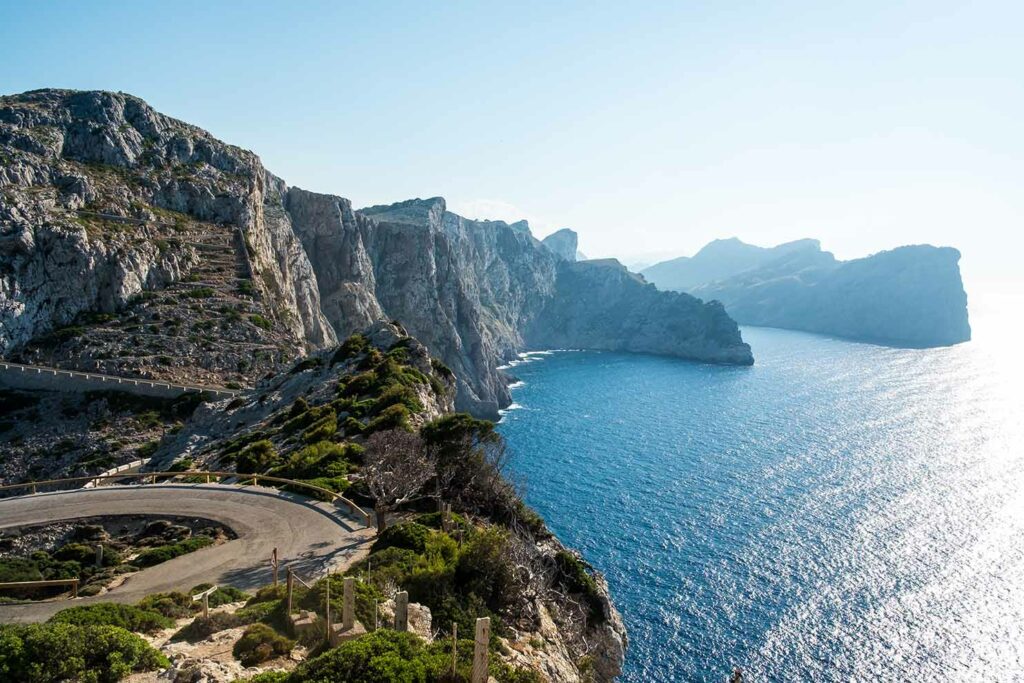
(311,537)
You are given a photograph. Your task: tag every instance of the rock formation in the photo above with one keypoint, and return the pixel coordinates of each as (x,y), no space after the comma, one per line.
(198,259)
(563,243)
(910,296)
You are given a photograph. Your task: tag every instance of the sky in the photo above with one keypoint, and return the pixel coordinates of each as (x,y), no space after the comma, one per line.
(649,128)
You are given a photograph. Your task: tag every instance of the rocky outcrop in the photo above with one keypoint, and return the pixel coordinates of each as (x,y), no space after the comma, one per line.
(95,188)
(101,191)
(601,305)
(477,292)
(563,243)
(911,296)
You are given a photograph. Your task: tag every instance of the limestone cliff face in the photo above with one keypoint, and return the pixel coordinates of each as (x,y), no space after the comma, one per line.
(911,296)
(601,305)
(105,199)
(477,292)
(564,243)
(93,186)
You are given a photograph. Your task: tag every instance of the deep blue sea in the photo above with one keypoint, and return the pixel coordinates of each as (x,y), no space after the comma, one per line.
(838,511)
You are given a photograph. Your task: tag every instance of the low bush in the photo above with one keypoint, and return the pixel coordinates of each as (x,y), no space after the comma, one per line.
(163,553)
(174,605)
(259,643)
(128,617)
(52,652)
(573,576)
(408,535)
(257,457)
(259,321)
(350,348)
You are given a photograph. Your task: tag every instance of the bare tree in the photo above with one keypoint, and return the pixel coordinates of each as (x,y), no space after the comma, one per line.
(396,470)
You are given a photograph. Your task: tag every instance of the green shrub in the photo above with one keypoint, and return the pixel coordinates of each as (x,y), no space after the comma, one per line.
(266,677)
(409,535)
(573,575)
(200,293)
(75,552)
(259,321)
(351,347)
(48,653)
(259,643)
(127,617)
(383,655)
(398,394)
(322,429)
(162,553)
(174,605)
(392,417)
(257,457)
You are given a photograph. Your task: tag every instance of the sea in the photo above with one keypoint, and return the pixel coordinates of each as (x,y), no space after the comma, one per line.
(837,512)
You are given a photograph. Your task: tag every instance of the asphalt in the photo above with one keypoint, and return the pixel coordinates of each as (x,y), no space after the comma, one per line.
(311,537)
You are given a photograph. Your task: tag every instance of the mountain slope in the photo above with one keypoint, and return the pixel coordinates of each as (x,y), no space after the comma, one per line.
(718,260)
(137,244)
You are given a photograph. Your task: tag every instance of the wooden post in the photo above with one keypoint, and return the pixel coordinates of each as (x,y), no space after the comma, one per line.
(207,478)
(480,646)
(206,604)
(99,555)
(455,646)
(274,563)
(402,611)
(348,605)
(327,609)
(376,615)
(290,582)
(74,588)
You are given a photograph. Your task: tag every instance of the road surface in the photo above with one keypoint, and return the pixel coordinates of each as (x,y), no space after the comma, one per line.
(312,537)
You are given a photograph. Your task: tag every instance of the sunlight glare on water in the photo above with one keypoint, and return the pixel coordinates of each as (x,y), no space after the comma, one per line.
(839,511)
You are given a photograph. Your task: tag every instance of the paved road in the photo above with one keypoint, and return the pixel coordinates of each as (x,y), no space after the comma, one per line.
(310,536)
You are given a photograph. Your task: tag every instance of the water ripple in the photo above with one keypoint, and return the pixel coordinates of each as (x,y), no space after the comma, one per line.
(836,512)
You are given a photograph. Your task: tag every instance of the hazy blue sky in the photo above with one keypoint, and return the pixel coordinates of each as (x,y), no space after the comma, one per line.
(650,129)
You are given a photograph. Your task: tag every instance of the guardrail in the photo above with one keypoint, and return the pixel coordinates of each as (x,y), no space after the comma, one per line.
(112,382)
(151,478)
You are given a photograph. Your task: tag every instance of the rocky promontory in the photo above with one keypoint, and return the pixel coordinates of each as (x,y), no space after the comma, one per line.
(910,296)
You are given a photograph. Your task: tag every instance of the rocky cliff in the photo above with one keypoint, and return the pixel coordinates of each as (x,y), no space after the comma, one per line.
(104,202)
(564,243)
(910,296)
(601,305)
(133,243)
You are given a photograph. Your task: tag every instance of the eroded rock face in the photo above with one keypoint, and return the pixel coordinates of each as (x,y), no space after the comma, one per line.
(92,187)
(104,199)
(564,243)
(477,292)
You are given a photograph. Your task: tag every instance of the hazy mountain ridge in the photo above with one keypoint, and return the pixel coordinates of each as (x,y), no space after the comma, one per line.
(909,296)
